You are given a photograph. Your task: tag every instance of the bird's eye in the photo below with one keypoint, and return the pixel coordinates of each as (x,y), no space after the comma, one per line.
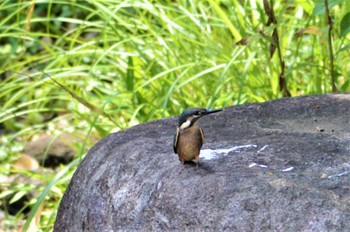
(197,113)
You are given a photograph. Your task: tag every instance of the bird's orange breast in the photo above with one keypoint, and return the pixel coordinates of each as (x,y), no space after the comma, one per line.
(190,142)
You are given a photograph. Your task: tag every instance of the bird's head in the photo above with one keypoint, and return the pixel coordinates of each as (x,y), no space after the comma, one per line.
(190,116)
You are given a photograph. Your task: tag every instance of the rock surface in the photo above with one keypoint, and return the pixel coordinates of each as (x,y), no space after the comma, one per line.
(283,165)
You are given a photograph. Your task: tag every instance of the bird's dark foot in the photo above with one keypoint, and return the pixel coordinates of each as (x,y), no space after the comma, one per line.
(182,166)
(191,163)
(197,164)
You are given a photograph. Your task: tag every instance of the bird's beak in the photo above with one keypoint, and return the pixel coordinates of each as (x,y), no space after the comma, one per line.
(212,111)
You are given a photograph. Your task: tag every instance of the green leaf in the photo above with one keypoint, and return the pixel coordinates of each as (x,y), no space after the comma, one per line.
(306,5)
(5,193)
(130,76)
(345,48)
(17,196)
(235,32)
(345,25)
(320,6)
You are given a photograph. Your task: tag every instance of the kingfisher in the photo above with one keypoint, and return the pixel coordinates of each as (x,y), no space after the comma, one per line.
(189,137)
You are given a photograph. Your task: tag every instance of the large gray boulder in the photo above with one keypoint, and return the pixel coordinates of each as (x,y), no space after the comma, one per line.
(282,165)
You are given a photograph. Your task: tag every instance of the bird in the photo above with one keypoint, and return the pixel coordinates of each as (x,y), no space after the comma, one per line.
(189,137)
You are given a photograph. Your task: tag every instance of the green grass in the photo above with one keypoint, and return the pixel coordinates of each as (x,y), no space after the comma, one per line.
(120,63)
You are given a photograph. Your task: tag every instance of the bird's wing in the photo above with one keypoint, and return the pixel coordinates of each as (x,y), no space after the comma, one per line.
(176,140)
(202,135)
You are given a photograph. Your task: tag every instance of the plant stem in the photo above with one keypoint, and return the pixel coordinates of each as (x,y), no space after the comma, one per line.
(330,47)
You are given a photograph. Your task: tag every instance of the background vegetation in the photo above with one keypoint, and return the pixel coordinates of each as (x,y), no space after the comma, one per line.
(91,67)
